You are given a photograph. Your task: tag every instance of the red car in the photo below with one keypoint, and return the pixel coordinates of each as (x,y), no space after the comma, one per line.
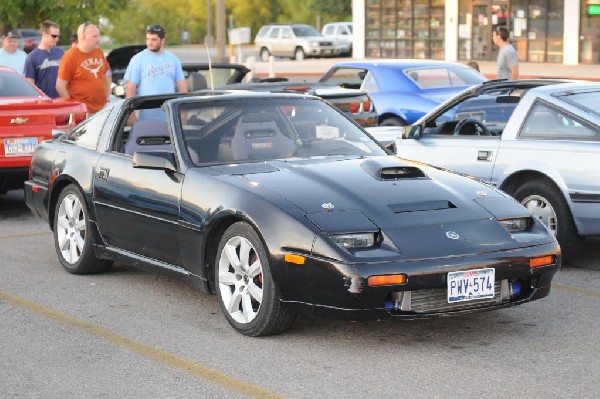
(27,117)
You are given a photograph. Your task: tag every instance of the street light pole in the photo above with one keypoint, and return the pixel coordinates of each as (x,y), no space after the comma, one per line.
(220,24)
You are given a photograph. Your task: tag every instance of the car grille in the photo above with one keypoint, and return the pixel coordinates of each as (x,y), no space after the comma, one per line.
(436,300)
(326,43)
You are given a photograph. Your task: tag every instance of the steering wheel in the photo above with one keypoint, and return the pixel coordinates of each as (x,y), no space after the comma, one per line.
(481,129)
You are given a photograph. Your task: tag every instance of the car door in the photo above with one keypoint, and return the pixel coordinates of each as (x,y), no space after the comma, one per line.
(286,44)
(138,208)
(472,155)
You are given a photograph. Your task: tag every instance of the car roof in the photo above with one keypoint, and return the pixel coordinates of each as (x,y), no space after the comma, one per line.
(567,87)
(399,64)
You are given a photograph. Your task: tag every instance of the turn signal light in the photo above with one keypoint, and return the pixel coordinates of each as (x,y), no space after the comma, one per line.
(297,259)
(387,279)
(542,261)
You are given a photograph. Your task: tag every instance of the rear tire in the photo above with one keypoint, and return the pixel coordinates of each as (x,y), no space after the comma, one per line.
(393,121)
(264,54)
(73,235)
(247,293)
(547,203)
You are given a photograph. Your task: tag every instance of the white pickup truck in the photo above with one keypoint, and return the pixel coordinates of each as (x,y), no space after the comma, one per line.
(538,140)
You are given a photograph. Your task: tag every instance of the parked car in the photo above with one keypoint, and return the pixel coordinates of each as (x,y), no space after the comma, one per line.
(296,41)
(341,34)
(281,205)
(28,39)
(538,140)
(403,90)
(229,76)
(27,117)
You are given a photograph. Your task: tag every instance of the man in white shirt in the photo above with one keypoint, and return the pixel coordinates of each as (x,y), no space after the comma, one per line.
(10,55)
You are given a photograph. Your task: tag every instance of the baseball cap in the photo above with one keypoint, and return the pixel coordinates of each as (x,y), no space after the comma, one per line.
(9,35)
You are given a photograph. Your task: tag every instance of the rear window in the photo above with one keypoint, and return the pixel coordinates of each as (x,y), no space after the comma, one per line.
(587,101)
(428,78)
(13,84)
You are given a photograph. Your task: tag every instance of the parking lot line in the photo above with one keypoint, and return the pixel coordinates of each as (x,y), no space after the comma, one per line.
(26,235)
(174,361)
(580,291)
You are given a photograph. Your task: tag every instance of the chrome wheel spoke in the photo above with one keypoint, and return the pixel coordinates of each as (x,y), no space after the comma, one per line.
(248,312)
(255,269)
(227,279)
(256,292)
(232,257)
(234,303)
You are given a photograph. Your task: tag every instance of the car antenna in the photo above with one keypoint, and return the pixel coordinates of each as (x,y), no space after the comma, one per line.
(212,86)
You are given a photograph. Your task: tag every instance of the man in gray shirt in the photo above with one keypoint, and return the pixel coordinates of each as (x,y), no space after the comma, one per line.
(508,61)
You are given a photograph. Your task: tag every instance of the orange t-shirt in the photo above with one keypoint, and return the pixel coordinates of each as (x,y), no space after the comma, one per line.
(86,76)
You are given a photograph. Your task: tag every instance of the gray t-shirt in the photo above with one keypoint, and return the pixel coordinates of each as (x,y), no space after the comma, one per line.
(507,58)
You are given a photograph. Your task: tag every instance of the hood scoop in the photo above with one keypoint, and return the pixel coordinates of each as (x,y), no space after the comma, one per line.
(391,170)
(434,205)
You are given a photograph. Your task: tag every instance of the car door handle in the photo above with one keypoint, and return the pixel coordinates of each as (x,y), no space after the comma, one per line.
(484,156)
(102,173)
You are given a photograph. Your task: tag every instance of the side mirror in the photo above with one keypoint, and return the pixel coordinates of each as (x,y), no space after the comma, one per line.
(162,160)
(411,132)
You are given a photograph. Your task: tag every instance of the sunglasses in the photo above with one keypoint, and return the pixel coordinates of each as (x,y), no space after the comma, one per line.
(55,36)
(156,29)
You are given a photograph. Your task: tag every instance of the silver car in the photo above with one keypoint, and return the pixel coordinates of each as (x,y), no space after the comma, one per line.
(297,41)
(538,140)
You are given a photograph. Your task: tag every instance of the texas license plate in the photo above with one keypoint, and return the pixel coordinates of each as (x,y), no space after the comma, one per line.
(18,147)
(469,285)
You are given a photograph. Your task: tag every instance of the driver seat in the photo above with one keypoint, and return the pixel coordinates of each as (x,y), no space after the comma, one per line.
(257,136)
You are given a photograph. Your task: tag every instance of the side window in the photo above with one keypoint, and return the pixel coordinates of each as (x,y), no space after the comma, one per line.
(274,34)
(546,122)
(286,33)
(263,31)
(87,133)
(329,30)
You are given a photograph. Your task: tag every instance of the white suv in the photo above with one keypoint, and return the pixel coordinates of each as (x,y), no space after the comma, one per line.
(340,33)
(293,40)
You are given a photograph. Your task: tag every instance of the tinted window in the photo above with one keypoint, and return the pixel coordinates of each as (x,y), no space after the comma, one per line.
(587,101)
(262,129)
(14,85)
(546,122)
(305,30)
(88,132)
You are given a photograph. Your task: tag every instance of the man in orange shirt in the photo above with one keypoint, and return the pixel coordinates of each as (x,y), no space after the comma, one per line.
(84,74)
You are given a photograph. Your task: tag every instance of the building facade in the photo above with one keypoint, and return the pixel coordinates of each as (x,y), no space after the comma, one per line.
(561,31)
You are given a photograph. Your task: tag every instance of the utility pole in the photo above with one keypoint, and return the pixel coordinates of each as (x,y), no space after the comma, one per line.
(220,24)
(208,39)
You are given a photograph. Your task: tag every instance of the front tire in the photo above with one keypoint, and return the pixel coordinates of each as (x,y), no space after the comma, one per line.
(547,203)
(247,293)
(73,235)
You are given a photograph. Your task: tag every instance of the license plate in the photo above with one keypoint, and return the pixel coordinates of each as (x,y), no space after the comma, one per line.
(469,285)
(19,147)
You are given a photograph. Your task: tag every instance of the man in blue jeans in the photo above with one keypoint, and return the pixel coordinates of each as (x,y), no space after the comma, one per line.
(154,71)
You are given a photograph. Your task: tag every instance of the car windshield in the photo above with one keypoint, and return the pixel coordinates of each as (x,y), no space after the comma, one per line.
(14,85)
(265,129)
(305,31)
(586,100)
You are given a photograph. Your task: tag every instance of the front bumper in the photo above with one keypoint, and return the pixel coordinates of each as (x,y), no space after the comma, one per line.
(341,291)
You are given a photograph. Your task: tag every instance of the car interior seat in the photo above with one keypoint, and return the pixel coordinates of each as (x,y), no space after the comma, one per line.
(148,135)
(196,81)
(257,136)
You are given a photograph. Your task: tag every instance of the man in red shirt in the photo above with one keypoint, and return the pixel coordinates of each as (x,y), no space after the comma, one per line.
(84,74)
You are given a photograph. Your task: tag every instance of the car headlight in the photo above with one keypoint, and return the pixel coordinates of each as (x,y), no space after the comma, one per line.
(515,225)
(354,240)
(314,44)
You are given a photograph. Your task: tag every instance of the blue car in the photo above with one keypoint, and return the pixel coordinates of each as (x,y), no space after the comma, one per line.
(404,90)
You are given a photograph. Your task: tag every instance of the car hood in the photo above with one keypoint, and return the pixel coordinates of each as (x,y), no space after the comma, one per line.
(119,58)
(401,198)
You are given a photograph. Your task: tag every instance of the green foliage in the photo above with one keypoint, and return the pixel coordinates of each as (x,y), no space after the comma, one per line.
(125,21)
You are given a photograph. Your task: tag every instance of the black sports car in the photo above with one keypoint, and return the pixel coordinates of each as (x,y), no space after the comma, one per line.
(280,204)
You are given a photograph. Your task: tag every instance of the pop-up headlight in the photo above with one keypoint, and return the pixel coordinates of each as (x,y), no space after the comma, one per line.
(516,225)
(354,240)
